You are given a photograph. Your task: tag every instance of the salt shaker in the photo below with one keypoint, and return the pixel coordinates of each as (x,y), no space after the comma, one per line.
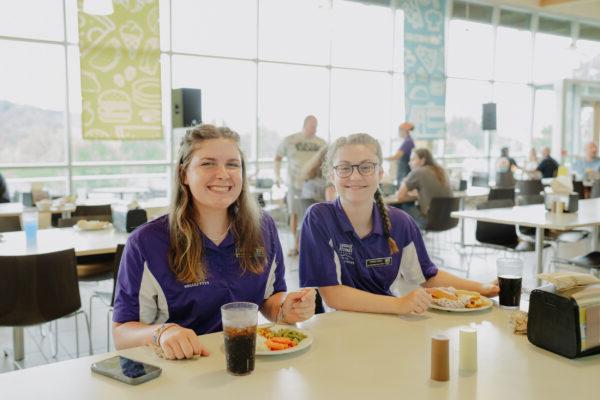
(468,349)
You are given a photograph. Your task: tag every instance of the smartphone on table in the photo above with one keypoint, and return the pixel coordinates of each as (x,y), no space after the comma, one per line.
(126,370)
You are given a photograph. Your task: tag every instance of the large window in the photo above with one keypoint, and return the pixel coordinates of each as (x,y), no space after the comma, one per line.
(262,66)
(514,59)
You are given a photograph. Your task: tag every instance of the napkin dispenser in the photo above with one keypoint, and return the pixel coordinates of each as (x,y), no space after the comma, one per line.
(565,322)
(125,220)
(570,201)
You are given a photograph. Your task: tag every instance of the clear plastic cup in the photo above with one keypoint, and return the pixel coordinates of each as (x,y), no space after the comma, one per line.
(239,331)
(29,220)
(510,277)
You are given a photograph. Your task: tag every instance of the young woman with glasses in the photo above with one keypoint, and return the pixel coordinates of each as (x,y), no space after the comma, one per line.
(213,248)
(362,254)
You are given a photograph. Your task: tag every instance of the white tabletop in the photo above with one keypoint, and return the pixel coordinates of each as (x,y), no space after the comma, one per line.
(16,209)
(537,216)
(472,192)
(353,356)
(48,240)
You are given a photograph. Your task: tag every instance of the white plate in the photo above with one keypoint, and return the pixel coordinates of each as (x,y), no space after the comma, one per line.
(94,228)
(261,350)
(487,304)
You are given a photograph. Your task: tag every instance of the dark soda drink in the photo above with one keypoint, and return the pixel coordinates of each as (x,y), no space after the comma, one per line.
(510,290)
(240,347)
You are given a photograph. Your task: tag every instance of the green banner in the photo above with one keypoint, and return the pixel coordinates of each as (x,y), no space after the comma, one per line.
(120,72)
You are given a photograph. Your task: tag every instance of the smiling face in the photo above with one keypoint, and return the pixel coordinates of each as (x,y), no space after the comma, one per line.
(356,188)
(214,174)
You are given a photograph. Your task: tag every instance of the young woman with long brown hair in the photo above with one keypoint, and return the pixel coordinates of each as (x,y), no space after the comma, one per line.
(426,180)
(359,252)
(214,247)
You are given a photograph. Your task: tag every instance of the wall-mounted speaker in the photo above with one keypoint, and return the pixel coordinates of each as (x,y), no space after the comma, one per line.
(186,107)
(488,117)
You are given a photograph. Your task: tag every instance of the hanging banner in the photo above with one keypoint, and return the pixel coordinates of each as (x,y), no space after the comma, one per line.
(120,72)
(425,81)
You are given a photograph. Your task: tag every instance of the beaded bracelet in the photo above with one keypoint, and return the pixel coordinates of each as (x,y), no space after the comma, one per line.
(156,334)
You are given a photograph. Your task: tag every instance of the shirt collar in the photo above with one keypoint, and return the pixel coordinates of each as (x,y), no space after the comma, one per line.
(345,221)
(208,244)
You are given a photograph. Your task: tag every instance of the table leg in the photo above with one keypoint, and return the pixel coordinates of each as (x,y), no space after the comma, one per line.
(539,253)
(18,344)
(462,223)
(595,238)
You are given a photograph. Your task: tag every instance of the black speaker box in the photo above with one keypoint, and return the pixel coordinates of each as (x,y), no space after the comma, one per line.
(186,107)
(488,117)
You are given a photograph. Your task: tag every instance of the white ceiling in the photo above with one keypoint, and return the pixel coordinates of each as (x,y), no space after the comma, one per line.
(582,9)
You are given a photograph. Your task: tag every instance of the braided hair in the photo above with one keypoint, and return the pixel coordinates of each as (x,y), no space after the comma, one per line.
(366,140)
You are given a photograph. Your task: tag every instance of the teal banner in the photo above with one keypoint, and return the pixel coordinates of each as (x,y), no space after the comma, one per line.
(425,80)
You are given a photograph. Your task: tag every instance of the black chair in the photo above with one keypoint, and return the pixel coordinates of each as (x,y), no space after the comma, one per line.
(438,215)
(39,288)
(92,268)
(530,187)
(494,235)
(10,223)
(579,189)
(590,262)
(498,193)
(108,298)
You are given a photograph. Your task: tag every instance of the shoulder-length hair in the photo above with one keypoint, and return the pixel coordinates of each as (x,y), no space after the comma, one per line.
(186,249)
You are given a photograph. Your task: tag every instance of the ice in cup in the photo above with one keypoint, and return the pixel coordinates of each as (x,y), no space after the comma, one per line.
(510,277)
(239,329)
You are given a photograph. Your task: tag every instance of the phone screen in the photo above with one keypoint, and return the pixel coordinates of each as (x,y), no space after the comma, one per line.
(126,369)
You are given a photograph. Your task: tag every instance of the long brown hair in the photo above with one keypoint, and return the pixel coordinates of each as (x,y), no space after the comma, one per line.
(186,249)
(366,140)
(440,173)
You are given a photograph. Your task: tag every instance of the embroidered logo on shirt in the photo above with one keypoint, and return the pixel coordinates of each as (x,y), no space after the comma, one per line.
(345,253)
(378,262)
(191,285)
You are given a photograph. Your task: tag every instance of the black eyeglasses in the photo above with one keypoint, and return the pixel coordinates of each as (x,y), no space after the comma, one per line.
(365,169)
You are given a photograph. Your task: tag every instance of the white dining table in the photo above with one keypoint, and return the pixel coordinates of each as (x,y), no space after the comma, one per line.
(353,356)
(85,243)
(538,217)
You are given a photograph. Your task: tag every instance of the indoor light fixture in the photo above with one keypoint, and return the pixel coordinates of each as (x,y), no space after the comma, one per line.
(98,7)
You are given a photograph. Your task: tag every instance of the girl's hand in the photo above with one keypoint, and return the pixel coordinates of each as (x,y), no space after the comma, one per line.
(416,302)
(298,306)
(178,343)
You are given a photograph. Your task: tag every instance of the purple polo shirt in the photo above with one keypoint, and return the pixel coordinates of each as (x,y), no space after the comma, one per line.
(331,253)
(147,290)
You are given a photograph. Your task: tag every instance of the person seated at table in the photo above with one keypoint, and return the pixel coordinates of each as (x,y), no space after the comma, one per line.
(587,167)
(530,168)
(426,180)
(357,251)
(4,195)
(548,167)
(214,247)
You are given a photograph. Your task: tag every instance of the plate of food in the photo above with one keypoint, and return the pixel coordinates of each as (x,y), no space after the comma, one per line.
(84,225)
(272,339)
(457,300)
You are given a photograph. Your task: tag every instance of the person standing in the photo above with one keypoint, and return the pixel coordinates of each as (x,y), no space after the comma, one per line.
(299,148)
(548,166)
(402,156)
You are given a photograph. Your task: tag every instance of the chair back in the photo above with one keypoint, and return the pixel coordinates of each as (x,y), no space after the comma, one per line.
(95,211)
(38,288)
(118,256)
(525,201)
(493,233)
(438,215)
(498,193)
(10,223)
(578,188)
(530,187)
